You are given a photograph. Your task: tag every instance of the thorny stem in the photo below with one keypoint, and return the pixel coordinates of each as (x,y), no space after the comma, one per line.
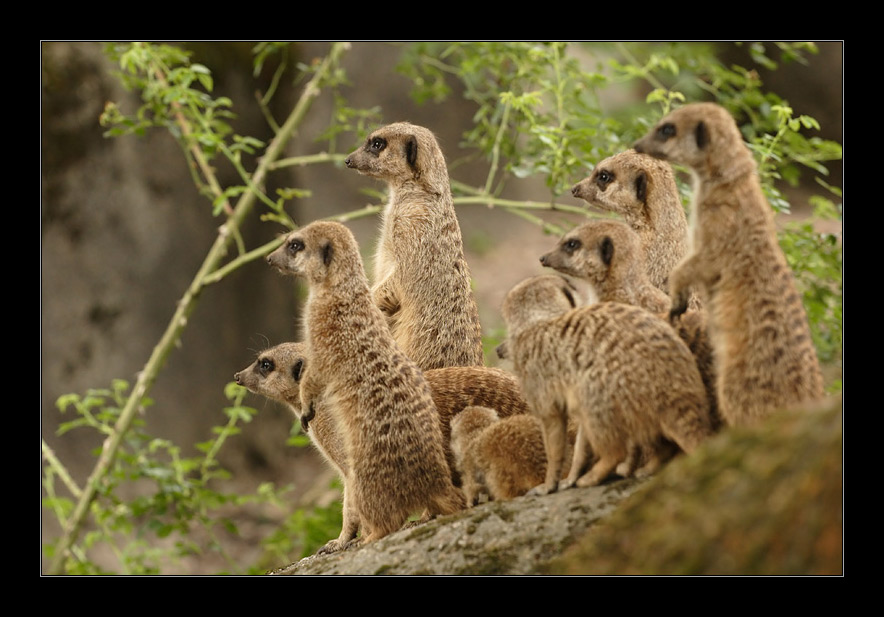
(186,306)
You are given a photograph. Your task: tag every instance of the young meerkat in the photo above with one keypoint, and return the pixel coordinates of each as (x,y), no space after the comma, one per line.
(763,349)
(643,191)
(620,372)
(421,277)
(501,458)
(607,254)
(379,398)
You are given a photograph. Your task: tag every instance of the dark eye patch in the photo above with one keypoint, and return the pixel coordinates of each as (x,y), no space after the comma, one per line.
(295,245)
(603,178)
(571,245)
(266,366)
(666,131)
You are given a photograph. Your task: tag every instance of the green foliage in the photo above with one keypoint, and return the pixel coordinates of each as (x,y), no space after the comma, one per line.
(547,111)
(180,508)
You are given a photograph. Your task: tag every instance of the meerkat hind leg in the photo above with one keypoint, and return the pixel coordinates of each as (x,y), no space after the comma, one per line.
(582,457)
(554,424)
(599,472)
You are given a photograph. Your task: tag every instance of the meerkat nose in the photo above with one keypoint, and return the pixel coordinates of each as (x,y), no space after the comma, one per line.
(347,162)
(543,259)
(575,189)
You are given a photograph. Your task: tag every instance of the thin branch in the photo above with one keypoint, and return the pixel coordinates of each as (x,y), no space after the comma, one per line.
(60,469)
(309,159)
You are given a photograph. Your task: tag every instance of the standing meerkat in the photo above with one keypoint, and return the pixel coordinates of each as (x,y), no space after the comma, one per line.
(379,398)
(608,255)
(421,277)
(643,191)
(502,458)
(620,372)
(763,349)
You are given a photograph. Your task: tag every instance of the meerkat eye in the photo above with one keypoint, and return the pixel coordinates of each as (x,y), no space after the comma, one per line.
(295,245)
(604,178)
(265,365)
(377,144)
(667,131)
(297,370)
(571,244)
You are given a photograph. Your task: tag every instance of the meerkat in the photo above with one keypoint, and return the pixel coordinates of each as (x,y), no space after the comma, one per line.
(499,458)
(620,372)
(764,353)
(608,255)
(642,190)
(378,397)
(421,278)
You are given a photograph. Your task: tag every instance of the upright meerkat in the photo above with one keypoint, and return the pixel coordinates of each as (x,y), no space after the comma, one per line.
(764,352)
(502,458)
(608,255)
(621,372)
(643,191)
(379,398)
(421,277)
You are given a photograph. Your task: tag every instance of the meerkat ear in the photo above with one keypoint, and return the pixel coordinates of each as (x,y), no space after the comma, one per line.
(298,370)
(327,253)
(641,187)
(701,134)
(570,297)
(411,151)
(606,249)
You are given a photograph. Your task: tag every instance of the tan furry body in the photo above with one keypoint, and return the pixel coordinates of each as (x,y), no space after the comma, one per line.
(277,373)
(379,398)
(621,372)
(422,280)
(608,255)
(760,335)
(643,191)
(502,458)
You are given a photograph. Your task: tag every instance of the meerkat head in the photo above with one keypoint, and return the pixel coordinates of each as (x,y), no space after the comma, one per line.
(400,153)
(702,136)
(597,252)
(277,374)
(625,182)
(539,298)
(467,424)
(322,252)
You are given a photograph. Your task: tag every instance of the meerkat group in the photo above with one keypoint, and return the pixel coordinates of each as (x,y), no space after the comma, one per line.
(690,328)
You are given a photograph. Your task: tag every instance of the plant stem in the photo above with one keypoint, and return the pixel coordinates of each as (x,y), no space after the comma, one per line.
(186,306)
